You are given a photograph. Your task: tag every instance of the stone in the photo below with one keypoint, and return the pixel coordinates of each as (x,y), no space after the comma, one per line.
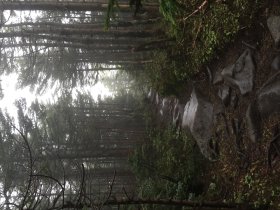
(217,78)
(241,74)
(267,103)
(210,75)
(158,99)
(218,108)
(273,24)
(224,94)
(234,99)
(268,98)
(198,118)
(178,112)
(253,122)
(275,65)
(152,95)
(228,71)
(274,148)
(166,106)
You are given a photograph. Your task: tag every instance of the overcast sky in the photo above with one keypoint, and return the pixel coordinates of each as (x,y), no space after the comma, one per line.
(9,82)
(11,94)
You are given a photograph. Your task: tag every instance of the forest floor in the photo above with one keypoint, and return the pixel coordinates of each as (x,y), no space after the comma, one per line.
(242,172)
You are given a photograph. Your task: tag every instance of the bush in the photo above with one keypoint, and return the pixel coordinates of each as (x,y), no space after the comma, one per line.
(167,73)
(170,165)
(199,37)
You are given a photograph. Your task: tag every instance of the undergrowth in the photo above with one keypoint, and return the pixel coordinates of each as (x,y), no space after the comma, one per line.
(201,30)
(170,165)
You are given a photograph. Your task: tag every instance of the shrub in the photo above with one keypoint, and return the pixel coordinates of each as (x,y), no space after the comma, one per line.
(170,165)
(199,37)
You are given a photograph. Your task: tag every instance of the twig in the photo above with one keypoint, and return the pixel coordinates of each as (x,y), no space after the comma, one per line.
(126,194)
(31,165)
(82,185)
(111,186)
(49,177)
(248,45)
(197,10)
(110,191)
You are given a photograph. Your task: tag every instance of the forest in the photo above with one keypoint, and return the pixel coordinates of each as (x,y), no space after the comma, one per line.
(139,104)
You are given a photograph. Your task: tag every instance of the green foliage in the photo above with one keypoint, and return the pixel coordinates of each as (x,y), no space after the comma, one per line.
(170,9)
(261,192)
(201,33)
(169,165)
(167,73)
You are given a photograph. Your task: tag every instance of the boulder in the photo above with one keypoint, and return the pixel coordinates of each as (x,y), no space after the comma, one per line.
(253,122)
(234,99)
(178,112)
(158,99)
(217,77)
(152,95)
(267,103)
(198,118)
(268,99)
(273,24)
(241,74)
(227,71)
(167,106)
(275,65)
(224,94)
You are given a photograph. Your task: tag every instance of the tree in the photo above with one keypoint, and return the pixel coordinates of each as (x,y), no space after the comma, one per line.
(68,38)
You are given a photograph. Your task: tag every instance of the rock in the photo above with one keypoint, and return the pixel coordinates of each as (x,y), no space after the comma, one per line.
(253,122)
(198,118)
(152,95)
(158,99)
(210,75)
(241,74)
(218,108)
(224,94)
(275,65)
(267,103)
(273,24)
(178,112)
(167,106)
(274,148)
(228,71)
(217,78)
(234,99)
(268,98)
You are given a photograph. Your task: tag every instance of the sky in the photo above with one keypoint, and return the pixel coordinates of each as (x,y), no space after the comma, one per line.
(9,82)
(11,93)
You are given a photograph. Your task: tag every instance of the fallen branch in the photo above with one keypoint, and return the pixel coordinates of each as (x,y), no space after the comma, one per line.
(197,10)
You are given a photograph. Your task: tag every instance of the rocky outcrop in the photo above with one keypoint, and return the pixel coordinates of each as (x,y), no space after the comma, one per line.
(241,74)
(268,98)
(273,24)
(275,65)
(198,118)
(178,112)
(267,103)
